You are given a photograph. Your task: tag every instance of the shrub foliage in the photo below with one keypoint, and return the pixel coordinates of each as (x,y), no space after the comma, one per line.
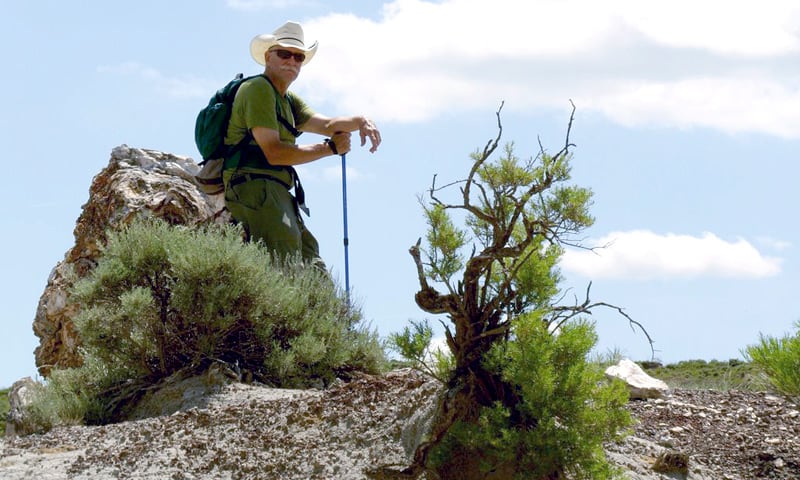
(165,300)
(779,358)
(523,398)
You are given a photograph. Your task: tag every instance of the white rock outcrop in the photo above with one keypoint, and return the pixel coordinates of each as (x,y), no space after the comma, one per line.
(640,384)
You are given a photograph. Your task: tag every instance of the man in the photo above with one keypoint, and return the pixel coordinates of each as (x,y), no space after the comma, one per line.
(259,177)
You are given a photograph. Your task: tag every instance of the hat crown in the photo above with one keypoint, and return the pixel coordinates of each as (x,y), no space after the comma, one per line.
(290,32)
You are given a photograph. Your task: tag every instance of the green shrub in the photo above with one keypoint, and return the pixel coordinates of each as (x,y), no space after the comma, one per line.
(165,300)
(567,408)
(4,409)
(74,396)
(522,397)
(414,345)
(779,358)
(708,375)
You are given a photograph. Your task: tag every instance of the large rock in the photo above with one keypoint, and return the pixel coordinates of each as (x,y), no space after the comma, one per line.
(136,181)
(19,396)
(640,384)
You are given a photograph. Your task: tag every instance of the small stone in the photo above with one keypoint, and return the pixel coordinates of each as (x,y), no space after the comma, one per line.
(666,441)
(672,462)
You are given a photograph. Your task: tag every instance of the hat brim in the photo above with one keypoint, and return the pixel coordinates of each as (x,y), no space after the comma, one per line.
(261,43)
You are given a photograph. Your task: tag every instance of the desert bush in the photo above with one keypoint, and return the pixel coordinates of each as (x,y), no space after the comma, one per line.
(566,410)
(414,345)
(4,408)
(719,375)
(165,300)
(73,396)
(779,358)
(523,399)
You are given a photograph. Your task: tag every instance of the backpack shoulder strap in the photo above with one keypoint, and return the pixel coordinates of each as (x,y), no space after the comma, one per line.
(289,125)
(300,196)
(248,136)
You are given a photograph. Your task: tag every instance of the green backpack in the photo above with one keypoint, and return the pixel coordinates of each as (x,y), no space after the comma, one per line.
(209,136)
(210,129)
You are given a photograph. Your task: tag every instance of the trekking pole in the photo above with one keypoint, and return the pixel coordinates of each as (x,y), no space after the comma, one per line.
(346,240)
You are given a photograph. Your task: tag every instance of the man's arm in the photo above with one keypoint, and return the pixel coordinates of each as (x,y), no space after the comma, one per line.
(281,154)
(331,126)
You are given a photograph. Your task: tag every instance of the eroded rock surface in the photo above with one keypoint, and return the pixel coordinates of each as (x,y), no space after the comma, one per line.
(244,432)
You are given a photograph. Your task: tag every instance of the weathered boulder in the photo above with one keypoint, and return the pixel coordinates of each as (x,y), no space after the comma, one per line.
(19,396)
(640,384)
(136,181)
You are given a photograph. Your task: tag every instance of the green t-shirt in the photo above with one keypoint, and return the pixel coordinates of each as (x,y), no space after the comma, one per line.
(255,106)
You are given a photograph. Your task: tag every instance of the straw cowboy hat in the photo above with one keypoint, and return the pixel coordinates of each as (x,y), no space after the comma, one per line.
(290,34)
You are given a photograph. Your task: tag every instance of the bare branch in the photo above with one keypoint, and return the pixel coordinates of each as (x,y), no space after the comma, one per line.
(434,188)
(567,143)
(501,329)
(490,147)
(414,251)
(565,313)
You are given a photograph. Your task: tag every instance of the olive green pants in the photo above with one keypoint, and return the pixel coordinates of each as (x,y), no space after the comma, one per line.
(269,214)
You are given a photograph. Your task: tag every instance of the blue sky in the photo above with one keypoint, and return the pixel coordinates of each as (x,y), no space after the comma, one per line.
(687,128)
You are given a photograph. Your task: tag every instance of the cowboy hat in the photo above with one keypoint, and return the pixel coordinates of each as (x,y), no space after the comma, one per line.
(290,34)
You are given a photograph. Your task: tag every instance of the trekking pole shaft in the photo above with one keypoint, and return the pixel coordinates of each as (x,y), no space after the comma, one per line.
(346,239)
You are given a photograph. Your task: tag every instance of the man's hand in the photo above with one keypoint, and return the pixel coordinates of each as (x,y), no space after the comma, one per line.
(342,142)
(367,129)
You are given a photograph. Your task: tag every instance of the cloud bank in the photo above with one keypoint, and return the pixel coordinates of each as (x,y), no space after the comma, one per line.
(731,66)
(728,66)
(172,87)
(642,254)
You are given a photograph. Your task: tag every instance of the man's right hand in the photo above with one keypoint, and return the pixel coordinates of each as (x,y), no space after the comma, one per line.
(342,142)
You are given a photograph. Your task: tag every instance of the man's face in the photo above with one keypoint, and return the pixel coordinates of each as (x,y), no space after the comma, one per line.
(285,62)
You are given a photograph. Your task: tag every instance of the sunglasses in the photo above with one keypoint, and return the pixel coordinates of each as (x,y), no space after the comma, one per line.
(286,55)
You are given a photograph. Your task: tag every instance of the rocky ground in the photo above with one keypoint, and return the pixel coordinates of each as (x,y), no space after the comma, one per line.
(251,432)
(725,435)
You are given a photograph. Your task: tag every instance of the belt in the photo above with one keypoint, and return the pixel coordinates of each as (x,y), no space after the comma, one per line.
(246,177)
(300,196)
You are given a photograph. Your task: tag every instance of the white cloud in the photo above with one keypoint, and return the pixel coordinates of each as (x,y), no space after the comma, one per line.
(773,243)
(642,254)
(175,87)
(728,104)
(731,28)
(731,66)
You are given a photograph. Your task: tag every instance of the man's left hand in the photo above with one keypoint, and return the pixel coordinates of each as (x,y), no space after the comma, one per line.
(369,130)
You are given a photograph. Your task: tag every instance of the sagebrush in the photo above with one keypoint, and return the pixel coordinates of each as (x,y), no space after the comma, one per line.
(779,358)
(168,299)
